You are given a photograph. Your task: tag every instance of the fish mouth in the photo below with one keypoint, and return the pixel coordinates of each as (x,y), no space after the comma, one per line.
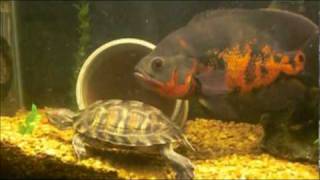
(140,75)
(147,79)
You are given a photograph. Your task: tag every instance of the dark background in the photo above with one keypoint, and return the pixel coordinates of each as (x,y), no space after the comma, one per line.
(48,36)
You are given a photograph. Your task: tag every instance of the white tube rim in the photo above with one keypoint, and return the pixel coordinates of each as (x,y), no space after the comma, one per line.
(79,88)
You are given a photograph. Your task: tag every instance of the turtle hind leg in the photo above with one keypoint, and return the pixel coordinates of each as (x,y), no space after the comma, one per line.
(79,147)
(182,165)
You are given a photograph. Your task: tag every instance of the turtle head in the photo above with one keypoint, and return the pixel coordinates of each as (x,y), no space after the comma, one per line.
(60,117)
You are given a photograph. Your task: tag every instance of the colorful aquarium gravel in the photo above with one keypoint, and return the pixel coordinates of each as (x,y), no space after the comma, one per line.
(225,150)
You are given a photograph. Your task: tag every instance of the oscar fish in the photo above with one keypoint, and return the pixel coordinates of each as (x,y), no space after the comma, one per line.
(223,51)
(246,65)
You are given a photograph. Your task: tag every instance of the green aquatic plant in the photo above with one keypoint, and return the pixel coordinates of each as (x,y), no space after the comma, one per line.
(316,141)
(31,121)
(84,30)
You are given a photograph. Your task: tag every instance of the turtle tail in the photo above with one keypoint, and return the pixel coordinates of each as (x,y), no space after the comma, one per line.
(61,118)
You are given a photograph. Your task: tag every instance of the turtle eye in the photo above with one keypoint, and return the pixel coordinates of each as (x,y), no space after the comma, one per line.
(157,63)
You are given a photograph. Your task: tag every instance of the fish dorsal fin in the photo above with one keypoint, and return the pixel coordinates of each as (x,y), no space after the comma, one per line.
(288,30)
(225,12)
(211,14)
(281,12)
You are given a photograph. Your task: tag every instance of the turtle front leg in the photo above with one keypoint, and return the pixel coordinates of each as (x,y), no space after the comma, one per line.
(79,146)
(182,165)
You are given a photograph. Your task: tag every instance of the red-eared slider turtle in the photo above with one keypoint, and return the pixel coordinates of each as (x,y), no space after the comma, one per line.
(126,124)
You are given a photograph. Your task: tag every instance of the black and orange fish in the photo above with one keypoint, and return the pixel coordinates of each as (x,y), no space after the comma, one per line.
(242,64)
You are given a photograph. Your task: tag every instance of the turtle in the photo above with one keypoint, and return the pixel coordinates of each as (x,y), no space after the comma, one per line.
(126,124)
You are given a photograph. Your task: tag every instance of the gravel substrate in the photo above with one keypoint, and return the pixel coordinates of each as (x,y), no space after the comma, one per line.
(224,151)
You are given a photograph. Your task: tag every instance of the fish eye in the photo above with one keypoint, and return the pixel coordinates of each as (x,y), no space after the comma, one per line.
(157,63)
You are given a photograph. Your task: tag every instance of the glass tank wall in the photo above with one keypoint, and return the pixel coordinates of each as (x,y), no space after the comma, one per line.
(70,54)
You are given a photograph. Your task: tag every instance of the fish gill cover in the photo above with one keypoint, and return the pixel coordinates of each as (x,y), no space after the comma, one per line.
(30,122)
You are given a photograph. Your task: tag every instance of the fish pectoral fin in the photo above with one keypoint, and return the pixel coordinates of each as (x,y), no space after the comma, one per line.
(213,83)
(219,107)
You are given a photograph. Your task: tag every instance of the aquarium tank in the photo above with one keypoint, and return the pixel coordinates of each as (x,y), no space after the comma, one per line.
(159,89)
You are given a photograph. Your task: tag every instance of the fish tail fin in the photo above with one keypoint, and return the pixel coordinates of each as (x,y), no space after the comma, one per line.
(61,118)
(314,96)
(312,65)
(312,39)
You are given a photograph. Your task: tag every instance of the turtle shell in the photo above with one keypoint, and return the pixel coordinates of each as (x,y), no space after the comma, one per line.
(129,123)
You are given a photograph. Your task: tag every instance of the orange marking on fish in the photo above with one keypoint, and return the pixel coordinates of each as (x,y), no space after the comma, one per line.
(237,61)
(172,88)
